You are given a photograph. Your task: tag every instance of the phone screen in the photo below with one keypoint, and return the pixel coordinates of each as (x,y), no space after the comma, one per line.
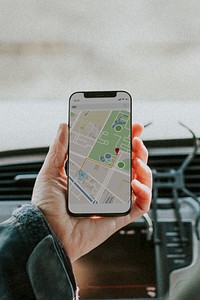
(99,156)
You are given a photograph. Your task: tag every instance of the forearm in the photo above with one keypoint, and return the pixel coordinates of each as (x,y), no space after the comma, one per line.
(31,258)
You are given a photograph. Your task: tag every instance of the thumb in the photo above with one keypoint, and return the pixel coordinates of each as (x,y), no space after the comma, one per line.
(56,157)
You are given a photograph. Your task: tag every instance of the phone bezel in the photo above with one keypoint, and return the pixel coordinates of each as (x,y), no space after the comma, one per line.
(89,95)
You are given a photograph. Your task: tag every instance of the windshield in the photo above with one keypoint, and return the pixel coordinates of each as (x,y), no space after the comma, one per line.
(50,50)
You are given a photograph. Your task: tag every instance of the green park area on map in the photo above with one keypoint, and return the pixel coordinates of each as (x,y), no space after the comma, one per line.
(114,134)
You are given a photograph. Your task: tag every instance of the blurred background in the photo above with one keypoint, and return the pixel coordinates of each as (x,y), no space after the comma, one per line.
(50,49)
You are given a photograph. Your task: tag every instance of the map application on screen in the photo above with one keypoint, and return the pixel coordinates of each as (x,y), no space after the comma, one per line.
(100,158)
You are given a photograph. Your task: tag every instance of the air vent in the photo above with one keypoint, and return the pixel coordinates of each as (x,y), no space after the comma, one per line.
(17,180)
(162,162)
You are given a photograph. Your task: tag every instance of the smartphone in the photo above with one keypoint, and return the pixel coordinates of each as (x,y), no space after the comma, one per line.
(100,153)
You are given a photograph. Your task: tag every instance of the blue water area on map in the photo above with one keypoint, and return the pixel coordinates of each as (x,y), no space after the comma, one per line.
(102,158)
(120,120)
(108,155)
(81,175)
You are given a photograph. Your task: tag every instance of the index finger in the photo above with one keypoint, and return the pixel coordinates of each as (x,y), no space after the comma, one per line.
(137,129)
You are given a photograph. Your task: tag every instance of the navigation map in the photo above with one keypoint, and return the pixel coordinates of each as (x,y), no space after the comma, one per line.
(99,165)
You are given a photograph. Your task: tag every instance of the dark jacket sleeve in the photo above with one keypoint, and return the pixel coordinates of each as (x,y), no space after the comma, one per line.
(33,264)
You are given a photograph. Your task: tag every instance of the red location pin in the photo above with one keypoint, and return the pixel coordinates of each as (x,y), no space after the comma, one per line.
(116,150)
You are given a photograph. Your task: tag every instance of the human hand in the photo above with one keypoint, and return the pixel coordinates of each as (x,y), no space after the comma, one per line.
(80,235)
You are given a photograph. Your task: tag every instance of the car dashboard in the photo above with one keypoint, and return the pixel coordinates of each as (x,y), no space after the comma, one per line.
(152,257)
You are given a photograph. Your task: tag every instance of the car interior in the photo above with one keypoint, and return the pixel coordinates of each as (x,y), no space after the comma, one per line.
(151,49)
(152,256)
